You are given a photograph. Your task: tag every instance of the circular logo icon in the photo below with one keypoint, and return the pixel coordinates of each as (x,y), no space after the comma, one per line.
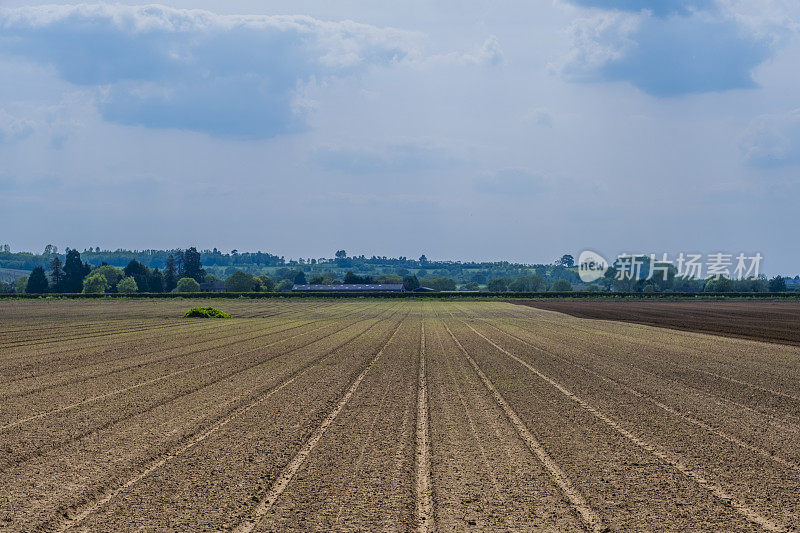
(591,266)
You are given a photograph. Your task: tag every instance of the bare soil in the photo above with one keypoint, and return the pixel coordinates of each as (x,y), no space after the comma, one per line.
(768,321)
(369,415)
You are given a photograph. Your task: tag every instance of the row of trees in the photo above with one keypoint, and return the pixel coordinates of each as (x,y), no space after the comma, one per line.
(75,275)
(184,270)
(261,263)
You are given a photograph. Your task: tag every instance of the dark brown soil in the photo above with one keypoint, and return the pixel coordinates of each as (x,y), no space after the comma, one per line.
(765,321)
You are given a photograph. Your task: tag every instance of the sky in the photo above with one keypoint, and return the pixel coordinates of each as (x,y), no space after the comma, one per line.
(464,130)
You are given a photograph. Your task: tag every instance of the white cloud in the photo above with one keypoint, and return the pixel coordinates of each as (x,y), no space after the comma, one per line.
(489,53)
(13,128)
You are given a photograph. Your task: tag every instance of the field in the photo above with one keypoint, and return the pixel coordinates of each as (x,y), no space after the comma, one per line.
(766,321)
(369,415)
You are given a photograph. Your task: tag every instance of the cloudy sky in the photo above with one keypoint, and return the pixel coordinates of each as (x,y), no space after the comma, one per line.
(490,129)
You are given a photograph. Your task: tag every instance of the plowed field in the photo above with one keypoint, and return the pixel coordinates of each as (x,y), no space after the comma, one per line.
(372,415)
(759,320)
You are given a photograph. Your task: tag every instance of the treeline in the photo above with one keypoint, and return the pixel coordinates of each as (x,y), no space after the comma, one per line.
(157,271)
(182,269)
(222,265)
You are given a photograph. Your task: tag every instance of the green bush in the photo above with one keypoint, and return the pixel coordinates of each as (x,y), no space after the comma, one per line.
(96,283)
(240,282)
(187,285)
(205,312)
(561,285)
(127,285)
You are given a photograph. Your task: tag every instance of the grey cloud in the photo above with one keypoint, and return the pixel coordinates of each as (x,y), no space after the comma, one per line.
(657,7)
(168,68)
(772,140)
(670,56)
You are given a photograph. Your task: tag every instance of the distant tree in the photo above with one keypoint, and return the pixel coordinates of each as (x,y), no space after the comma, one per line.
(170,274)
(56,275)
(20,284)
(498,285)
(566,260)
(439,283)
(351,278)
(423,260)
(112,275)
(95,283)
(776,284)
(37,282)
(720,284)
(472,286)
(388,278)
(340,254)
(128,285)
(187,285)
(50,249)
(74,272)
(561,285)
(240,282)
(410,283)
(138,272)
(155,282)
(283,285)
(300,278)
(180,262)
(192,266)
(267,283)
(530,283)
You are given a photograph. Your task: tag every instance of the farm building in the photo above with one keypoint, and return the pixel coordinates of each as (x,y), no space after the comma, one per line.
(350,287)
(213,286)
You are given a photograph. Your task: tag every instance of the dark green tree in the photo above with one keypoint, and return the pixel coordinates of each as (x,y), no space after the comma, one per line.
(56,274)
(140,274)
(192,267)
(74,272)
(155,282)
(566,261)
(410,283)
(180,262)
(776,284)
(561,285)
(531,283)
(240,282)
(37,282)
(267,284)
(350,278)
(170,274)
(498,285)
(439,283)
(300,278)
